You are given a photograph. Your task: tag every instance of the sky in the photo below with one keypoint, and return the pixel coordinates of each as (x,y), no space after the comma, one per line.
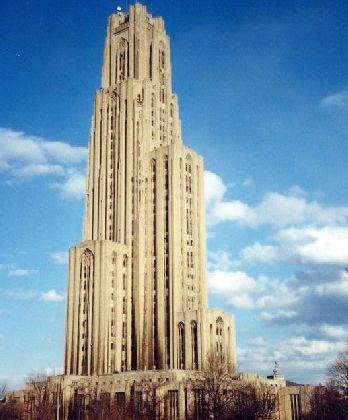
(263,96)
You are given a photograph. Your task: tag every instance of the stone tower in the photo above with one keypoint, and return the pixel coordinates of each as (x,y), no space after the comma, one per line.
(137,294)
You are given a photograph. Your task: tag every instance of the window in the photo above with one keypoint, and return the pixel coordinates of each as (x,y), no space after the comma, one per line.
(194,341)
(181,332)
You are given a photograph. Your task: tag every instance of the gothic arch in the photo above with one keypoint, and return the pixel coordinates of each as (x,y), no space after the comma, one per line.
(162,62)
(219,338)
(181,349)
(85,308)
(122,59)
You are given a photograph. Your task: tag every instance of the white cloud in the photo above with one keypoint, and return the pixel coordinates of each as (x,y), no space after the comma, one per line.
(298,356)
(20,149)
(73,187)
(337,287)
(326,245)
(333,331)
(59,257)
(52,296)
(219,260)
(282,295)
(214,188)
(258,341)
(313,347)
(338,100)
(37,169)
(279,316)
(234,287)
(232,211)
(24,157)
(275,209)
(258,252)
(21,272)
(304,245)
(52,371)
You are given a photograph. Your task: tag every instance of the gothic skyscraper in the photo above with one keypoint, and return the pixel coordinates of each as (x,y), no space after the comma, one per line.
(137,294)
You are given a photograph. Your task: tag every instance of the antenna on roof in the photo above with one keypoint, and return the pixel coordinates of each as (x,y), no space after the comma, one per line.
(119,10)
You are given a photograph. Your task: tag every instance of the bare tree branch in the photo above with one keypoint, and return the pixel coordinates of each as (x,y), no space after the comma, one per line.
(338,371)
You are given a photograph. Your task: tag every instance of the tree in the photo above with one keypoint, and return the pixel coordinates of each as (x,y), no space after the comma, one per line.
(144,403)
(330,402)
(2,390)
(326,403)
(213,395)
(221,395)
(338,372)
(9,408)
(254,401)
(41,404)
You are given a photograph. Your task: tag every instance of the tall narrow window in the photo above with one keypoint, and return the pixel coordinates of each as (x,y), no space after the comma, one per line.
(154,265)
(166,260)
(181,333)
(112,313)
(85,308)
(123,60)
(194,341)
(150,62)
(219,339)
(124,314)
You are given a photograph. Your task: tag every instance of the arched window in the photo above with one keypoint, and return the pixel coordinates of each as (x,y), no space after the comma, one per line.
(181,333)
(124,313)
(161,62)
(194,341)
(85,303)
(123,62)
(219,339)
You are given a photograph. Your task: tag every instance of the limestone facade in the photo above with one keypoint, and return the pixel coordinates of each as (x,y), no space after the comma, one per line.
(137,293)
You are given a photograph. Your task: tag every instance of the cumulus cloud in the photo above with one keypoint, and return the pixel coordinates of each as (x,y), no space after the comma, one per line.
(219,260)
(337,287)
(20,149)
(59,257)
(333,331)
(259,252)
(302,245)
(312,298)
(280,316)
(281,295)
(276,209)
(299,357)
(214,188)
(335,100)
(73,187)
(24,157)
(52,296)
(325,245)
(235,287)
(31,170)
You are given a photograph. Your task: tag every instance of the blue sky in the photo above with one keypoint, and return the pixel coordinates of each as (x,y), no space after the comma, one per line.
(263,94)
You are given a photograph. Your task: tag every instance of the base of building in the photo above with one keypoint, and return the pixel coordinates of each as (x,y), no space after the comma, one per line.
(160,394)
